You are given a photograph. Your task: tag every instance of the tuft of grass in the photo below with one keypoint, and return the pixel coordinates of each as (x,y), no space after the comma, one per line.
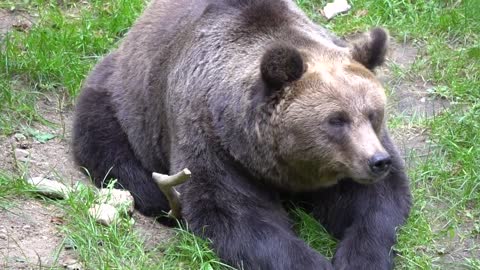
(101,247)
(191,252)
(11,186)
(121,247)
(313,233)
(18,102)
(66,39)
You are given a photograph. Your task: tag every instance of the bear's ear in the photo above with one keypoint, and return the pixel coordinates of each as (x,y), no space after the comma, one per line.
(370,48)
(281,64)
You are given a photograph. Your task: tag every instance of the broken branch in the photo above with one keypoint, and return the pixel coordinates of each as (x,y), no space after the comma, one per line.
(166,183)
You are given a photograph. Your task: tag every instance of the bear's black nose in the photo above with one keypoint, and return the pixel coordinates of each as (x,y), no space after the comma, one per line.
(379,163)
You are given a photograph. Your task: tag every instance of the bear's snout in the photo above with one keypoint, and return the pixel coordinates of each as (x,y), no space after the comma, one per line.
(379,163)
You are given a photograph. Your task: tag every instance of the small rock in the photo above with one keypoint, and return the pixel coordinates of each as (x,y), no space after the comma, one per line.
(49,188)
(117,198)
(19,259)
(423,99)
(19,137)
(72,264)
(3,234)
(22,155)
(104,214)
(335,8)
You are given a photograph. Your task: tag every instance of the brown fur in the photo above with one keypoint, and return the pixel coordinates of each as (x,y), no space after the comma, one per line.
(261,104)
(327,88)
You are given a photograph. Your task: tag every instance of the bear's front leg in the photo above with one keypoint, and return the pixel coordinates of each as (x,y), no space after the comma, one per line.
(376,211)
(247,225)
(364,216)
(367,243)
(365,219)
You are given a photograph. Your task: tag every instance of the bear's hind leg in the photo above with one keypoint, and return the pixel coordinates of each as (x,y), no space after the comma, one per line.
(101,146)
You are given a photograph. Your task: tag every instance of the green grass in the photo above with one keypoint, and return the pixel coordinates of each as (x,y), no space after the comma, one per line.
(66,40)
(56,53)
(9,188)
(114,247)
(120,247)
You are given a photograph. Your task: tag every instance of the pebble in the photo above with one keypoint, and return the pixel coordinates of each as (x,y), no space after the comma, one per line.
(19,259)
(3,234)
(72,264)
(117,198)
(19,137)
(104,214)
(335,8)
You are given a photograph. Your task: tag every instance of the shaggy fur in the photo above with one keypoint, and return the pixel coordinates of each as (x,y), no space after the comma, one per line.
(262,106)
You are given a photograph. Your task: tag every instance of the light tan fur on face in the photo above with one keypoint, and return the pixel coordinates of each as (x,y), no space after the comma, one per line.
(330,86)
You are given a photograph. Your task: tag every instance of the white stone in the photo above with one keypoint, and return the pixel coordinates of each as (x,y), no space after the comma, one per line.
(117,198)
(335,8)
(19,137)
(49,188)
(104,214)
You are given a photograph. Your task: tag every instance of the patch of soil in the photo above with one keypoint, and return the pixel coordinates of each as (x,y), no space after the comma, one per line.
(455,250)
(409,98)
(51,159)
(17,20)
(29,238)
(151,232)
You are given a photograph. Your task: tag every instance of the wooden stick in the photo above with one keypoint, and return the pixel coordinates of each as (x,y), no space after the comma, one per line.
(166,183)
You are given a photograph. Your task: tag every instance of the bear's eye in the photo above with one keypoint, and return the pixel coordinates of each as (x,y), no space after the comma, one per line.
(338,121)
(375,117)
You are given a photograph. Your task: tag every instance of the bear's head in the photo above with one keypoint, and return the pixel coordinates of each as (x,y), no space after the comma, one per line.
(329,114)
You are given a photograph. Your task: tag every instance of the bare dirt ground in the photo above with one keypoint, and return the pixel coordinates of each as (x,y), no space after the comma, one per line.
(29,237)
(14,20)
(409,99)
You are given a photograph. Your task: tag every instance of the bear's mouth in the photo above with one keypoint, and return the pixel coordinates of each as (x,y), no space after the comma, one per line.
(371,179)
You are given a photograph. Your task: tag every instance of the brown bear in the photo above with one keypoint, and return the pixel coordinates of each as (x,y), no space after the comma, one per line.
(263,106)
